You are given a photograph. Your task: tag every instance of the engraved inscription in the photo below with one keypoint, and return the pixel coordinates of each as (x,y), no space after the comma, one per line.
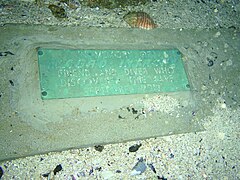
(100,72)
(120,80)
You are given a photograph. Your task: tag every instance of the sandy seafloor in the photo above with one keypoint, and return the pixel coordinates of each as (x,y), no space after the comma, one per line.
(211,154)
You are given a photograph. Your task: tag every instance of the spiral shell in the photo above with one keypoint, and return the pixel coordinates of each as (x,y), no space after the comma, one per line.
(140,20)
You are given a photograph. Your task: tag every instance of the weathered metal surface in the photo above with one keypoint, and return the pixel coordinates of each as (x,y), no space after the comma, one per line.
(66,73)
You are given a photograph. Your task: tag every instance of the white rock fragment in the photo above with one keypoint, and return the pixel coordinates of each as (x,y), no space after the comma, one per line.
(217,34)
(223,106)
(107,174)
(213,92)
(204,87)
(135,172)
(229,62)
(226,45)
(221,135)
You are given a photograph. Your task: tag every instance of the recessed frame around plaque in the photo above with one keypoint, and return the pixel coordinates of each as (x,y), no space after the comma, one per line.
(68,73)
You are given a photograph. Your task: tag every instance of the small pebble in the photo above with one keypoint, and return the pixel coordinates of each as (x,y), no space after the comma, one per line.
(223,106)
(161,178)
(139,168)
(210,63)
(152,168)
(57,11)
(99,148)
(46,175)
(98,168)
(120,117)
(91,171)
(73,177)
(171,155)
(217,34)
(134,111)
(11,82)
(229,62)
(226,45)
(57,169)
(81,174)
(221,135)
(134,147)
(6,53)
(107,174)
(204,87)
(1,172)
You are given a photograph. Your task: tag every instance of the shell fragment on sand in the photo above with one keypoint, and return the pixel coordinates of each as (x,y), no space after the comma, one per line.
(140,20)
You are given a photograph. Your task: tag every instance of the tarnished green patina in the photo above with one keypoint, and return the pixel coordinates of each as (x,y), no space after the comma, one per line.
(68,73)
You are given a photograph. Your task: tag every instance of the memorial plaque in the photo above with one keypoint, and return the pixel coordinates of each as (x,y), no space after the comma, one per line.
(68,73)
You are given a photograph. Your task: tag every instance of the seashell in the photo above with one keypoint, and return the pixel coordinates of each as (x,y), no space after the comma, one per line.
(140,20)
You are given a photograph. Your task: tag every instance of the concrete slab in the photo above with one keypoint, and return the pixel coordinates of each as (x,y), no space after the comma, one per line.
(30,125)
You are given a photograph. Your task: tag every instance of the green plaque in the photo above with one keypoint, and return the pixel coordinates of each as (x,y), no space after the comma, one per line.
(68,73)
